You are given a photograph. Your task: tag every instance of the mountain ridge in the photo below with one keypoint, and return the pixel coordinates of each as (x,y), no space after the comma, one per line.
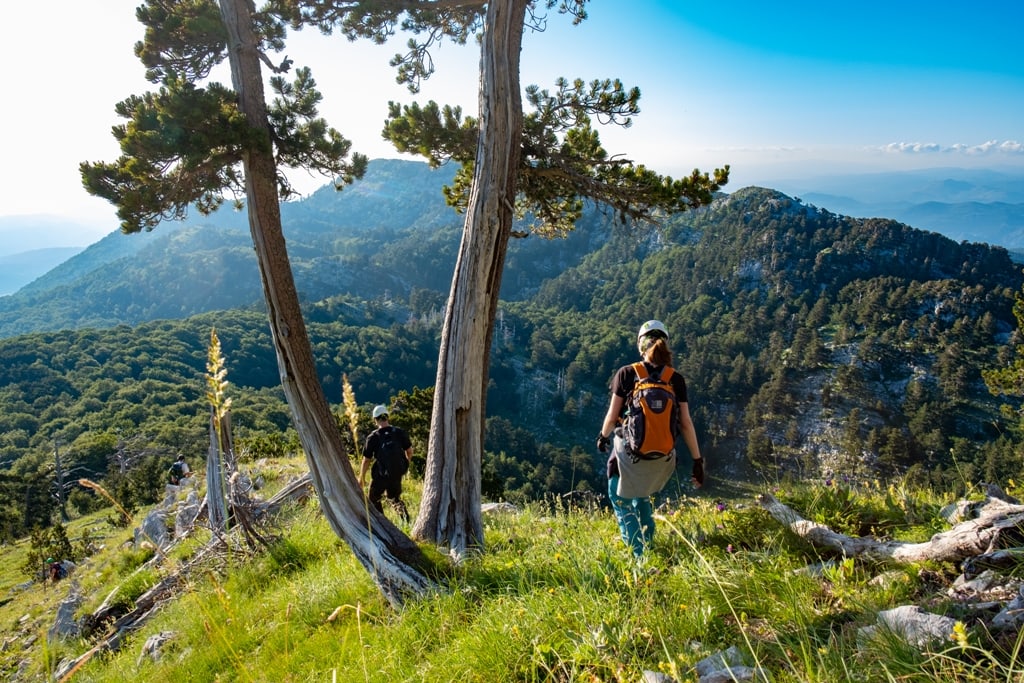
(975,205)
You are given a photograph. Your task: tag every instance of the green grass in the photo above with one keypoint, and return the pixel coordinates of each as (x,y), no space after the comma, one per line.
(555,597)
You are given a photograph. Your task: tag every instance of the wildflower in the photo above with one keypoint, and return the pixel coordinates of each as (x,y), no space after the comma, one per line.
(828,482)
(959,635)
(728,548)
(720,506)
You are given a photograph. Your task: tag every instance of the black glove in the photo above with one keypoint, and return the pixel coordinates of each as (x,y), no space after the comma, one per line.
(603,442)
(698,472)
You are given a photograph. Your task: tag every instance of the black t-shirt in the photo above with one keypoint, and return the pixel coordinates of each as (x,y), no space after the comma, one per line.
(625,380)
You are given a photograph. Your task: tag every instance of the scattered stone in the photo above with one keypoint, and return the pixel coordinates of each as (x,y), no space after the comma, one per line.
(735,674)
(153,647)
(913,624)
(957,512)
(153,529)
(1012,615)
(720,660)
(816,570)
(188,512)
(65,625)
(728,667)
(987,585)
(487,508)
(889,579)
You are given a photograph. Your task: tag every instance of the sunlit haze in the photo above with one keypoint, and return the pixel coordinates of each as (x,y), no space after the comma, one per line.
(811,88)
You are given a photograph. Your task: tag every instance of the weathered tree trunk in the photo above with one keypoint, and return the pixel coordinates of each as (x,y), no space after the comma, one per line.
(450,512)
(995,519)
(216,500)
(394,561)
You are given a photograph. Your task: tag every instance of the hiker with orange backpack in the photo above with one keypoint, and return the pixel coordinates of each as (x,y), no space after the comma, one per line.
(648,411)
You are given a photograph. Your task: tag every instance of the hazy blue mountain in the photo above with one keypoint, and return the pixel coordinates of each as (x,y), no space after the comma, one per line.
(389,234)
(17,269)
(20,234)
(963,204)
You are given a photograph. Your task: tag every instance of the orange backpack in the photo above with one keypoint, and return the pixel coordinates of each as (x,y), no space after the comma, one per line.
(651,424)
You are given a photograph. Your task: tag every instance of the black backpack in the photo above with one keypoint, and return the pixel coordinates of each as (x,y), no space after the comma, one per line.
(390,457)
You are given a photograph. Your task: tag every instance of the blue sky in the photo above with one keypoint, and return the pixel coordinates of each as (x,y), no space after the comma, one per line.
(776,90)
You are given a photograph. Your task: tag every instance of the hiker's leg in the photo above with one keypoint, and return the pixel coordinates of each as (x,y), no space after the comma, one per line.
(627,517)
(403,511)
(394,491)
(376,493)
(645,511)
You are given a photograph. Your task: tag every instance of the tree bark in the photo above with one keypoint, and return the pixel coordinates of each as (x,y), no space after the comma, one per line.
(995,519)
(391,557)
(216,500)
(450,513)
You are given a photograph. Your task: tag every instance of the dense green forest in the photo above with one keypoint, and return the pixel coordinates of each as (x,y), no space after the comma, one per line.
(815,345)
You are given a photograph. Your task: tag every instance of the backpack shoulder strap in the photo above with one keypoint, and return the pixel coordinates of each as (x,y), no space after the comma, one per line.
(641,371)
(666,374)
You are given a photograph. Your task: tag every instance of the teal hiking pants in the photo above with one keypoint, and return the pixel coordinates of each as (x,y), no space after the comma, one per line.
(635,517)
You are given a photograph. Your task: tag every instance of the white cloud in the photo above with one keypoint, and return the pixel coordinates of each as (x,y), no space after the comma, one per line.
(912,147)
(989,147)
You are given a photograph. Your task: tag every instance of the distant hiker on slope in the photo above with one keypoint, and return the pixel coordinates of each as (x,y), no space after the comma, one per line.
(647,412)
(389,450)
(178,471)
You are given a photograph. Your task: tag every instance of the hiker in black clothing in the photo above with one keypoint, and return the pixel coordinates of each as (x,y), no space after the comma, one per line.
(387,454)
(179,470)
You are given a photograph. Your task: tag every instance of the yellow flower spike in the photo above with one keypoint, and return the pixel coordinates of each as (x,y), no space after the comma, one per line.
(959,635)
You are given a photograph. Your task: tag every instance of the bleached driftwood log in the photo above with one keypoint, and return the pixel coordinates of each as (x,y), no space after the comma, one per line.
(995,520)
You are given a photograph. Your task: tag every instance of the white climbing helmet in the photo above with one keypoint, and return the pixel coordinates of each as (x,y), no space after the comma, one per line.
(379,410)
(655,327)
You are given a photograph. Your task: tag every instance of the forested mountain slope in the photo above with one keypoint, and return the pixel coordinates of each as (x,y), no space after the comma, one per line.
(814,344)
(811,341)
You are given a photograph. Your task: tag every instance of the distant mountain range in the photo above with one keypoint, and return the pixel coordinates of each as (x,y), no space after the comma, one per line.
(31,246)
(985,206)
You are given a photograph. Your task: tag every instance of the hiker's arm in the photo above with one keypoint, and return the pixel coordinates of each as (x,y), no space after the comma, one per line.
(612,416)
(690,438)
(688,431)
(365,465)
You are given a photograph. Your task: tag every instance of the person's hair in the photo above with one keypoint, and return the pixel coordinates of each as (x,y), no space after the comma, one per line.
(656,351)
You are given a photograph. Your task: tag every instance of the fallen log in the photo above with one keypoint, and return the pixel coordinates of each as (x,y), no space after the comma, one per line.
(999,560)
(998,524)
(297,490)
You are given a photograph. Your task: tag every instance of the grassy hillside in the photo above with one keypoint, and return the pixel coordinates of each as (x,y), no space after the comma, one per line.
(555,597)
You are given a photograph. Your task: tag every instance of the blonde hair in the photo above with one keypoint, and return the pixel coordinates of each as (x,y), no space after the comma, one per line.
(656,351)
